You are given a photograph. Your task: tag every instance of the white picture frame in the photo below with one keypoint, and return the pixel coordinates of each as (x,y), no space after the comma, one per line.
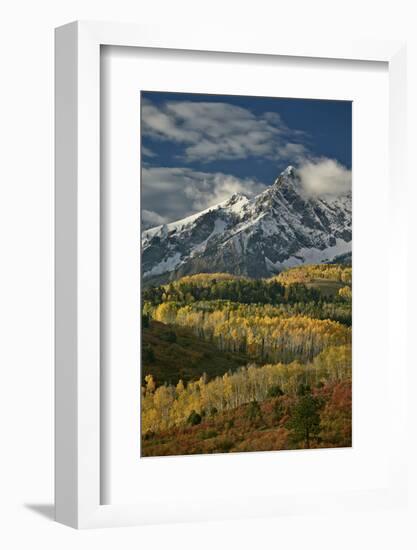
(78,406)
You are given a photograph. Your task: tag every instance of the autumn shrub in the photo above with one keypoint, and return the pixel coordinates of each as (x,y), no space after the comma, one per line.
(284,424)
(278,410)
(303,389)
(148,354)
(209,434)
(336,417)
(254,411)
(169,336)
(224,445)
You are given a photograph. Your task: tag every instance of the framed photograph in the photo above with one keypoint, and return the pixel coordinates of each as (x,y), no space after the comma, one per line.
(246,286)
(229,340)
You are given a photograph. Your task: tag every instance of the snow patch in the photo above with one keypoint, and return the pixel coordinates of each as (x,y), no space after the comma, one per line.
(315,255)
(272,222)
(236,205)
(169,264)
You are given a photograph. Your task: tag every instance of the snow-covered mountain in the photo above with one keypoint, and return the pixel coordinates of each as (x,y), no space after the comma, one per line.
(281,227)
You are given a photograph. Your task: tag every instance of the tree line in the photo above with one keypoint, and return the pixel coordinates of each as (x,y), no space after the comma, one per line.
(260,332)
(236,289)
(307,273)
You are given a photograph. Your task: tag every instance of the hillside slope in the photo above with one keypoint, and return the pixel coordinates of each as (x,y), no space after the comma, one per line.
(172,353)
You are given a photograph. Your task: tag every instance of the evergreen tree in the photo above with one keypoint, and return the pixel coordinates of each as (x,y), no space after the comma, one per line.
(305,419)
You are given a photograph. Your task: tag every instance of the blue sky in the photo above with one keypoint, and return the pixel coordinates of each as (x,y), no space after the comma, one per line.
(199,149)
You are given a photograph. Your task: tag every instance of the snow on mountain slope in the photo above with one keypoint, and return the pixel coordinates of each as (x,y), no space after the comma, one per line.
(279,228)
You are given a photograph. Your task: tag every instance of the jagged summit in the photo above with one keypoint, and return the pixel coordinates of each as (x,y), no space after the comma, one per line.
(288,172)
(279,228)
(288,179)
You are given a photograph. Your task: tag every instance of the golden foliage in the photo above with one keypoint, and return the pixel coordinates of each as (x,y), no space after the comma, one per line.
(255,330)
(205,279)
(309,273)
(346,293)
(168,406)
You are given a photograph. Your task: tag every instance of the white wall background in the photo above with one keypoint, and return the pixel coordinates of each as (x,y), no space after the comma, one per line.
(26,268)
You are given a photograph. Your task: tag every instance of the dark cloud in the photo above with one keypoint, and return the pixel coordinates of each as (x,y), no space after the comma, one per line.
(174,193)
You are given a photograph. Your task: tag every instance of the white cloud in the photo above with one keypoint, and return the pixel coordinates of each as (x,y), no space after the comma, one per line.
(173,193)
(209,131)
(294,152)
(146,152)
(151,218)
(178,192)
(325,177)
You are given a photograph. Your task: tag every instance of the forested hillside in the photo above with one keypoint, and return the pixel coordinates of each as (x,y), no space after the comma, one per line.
(231,363)
(171,353)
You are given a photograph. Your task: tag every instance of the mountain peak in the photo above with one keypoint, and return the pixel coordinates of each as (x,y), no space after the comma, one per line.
(288,175)
(289,171)
(280,227)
